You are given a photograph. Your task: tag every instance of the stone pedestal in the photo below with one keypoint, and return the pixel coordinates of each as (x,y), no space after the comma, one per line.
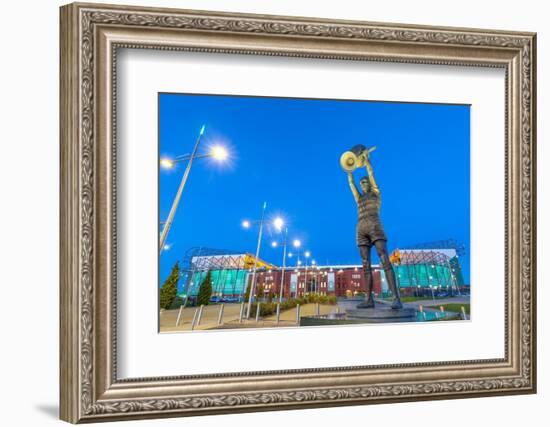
(383,314)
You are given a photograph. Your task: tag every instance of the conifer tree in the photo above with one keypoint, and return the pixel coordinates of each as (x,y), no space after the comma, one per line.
(169,289)
(205,290)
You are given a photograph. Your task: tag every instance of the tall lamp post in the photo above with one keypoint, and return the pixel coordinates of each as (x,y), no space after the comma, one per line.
(307,254)
(217,152)
(296,244)
(278,223)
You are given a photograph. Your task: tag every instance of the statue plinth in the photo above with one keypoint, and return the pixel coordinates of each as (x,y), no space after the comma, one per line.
(383,313)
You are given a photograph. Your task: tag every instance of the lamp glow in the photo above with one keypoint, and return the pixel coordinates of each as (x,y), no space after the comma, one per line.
(296,243)
(166,163)
(307,254)
(246,224)
(278,223)
(219,153)
(274,244)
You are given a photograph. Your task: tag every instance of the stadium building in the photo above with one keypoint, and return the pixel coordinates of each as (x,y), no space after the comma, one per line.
(419,271)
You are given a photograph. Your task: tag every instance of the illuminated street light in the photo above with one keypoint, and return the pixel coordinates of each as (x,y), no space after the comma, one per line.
(278,223)
(219,153)
(296,243)
(313,263)
(246,224)
(176,201)
(307,254)
(167,163)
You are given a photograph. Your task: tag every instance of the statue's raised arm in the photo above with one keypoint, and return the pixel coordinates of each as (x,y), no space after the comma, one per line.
(372,180)
(353,187)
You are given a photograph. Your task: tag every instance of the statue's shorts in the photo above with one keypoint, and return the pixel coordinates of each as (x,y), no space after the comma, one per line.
(368,232)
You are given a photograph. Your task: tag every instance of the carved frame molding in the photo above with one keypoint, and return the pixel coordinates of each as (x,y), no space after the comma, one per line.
(90,37)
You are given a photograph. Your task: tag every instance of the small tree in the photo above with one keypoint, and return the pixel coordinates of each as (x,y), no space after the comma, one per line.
(169,288)
(205,290)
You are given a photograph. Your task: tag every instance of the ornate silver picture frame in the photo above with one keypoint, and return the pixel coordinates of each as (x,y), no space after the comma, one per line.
(91,390)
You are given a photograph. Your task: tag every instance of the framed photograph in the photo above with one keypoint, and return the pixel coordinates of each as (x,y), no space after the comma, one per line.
(266,213)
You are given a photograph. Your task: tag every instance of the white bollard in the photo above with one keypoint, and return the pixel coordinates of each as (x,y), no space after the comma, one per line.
(179,315)
(278,313)
(317,309)
(258,311)
(199,316)
(194,318)
(297,314)
(220,315)
(241,313)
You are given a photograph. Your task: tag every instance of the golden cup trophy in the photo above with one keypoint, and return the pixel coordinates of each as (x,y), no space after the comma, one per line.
(355,157)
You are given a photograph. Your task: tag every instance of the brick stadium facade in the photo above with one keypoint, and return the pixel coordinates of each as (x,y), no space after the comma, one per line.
(340,280)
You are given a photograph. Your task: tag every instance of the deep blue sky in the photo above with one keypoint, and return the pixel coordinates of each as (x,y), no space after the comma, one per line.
(286,152)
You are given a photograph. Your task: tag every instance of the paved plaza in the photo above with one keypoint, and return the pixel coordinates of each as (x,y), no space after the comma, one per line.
(231,312)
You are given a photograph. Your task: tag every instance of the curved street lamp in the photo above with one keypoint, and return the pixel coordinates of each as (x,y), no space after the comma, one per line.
(217,152)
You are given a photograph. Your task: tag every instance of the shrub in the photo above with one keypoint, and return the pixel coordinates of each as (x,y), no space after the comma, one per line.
(266,309)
